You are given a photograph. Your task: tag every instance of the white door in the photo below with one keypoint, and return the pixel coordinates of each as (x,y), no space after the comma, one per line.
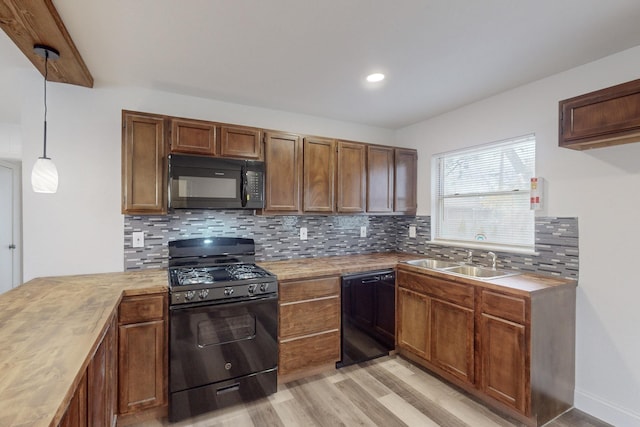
(7,226)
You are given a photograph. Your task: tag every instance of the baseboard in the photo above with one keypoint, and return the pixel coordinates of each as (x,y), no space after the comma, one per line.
(606,411)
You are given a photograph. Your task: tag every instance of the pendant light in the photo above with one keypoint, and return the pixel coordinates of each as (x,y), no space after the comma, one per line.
(44,175)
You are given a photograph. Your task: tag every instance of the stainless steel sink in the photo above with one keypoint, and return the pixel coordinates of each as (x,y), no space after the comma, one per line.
(432,263)
(476,272)
(480,272)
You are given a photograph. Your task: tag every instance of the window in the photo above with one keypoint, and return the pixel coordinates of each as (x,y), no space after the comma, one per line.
(481,195)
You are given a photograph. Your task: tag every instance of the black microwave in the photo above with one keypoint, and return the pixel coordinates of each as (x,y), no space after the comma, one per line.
(199,182)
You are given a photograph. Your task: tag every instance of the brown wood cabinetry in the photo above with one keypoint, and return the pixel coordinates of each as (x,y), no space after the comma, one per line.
(101,381)
(143,163)
(76,414)
(380,177)
(515,350)
(142,360)
(283,158)
(309,334)
(240,141)
(605,117)
(319,175)
(436,322)
(351,177)
(193,137)
(406,181)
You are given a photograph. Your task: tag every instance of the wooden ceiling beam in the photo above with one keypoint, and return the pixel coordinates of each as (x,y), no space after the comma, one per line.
(31,22)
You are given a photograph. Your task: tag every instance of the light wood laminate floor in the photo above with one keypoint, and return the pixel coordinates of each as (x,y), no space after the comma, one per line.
(388,392)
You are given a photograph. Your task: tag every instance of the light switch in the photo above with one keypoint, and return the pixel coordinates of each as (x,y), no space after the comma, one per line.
(303,233)
(412,231)
(137,238)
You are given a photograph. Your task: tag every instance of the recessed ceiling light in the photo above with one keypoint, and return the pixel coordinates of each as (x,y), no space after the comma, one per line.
(375,77)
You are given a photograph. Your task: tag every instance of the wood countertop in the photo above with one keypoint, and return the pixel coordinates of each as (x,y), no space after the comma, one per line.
(49,329)
(304,268)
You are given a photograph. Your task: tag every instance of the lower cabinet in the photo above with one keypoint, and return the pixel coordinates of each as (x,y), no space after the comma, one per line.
(142,353)
(513,349)
(309,327)
(126,375)
(436,323)
(94,400)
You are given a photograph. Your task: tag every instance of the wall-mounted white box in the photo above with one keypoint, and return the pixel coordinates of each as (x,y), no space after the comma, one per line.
(303,233)
(412,231)
(363,231)
(137,239)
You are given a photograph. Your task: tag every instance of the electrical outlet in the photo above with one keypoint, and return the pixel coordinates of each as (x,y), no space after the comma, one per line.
(363,231)
(303,233)
(412,231)
(137,238)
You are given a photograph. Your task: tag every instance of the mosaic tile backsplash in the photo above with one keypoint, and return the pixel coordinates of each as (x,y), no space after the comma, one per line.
(278,238)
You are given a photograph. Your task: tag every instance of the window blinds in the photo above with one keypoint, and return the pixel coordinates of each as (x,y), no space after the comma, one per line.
(482,194)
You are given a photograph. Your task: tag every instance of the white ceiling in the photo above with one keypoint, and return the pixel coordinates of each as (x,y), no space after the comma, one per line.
(311,56)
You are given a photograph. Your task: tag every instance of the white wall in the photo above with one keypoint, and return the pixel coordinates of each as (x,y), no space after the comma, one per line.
(80,228)
(10,146)
(600,187)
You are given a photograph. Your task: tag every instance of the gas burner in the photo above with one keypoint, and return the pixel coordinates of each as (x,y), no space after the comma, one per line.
(244,271)
(194,276)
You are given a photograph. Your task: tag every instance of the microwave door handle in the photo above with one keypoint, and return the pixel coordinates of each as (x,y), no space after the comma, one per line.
(243,186)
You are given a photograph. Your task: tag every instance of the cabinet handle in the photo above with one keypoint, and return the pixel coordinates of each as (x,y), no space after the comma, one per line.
(12,246)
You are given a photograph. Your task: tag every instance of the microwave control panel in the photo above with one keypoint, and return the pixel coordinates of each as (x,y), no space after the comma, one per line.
(255,186)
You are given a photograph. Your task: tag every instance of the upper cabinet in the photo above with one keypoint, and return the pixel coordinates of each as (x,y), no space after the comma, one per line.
(380,188)
(319,175)
(351,177)
(602,118)
(193,137)
(240,141)
(143,163)
(283,162)
(406,181)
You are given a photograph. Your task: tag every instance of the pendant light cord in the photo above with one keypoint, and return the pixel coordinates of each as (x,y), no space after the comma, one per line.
(46,73)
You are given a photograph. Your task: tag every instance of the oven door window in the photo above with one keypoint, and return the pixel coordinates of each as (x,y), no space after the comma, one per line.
(226,330)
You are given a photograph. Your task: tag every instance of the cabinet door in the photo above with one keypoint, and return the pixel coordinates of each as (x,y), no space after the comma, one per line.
(406,181)
(101,382)
(143,164)
(503,358)
(76,415)
(452,339)
(380,188)
(141,367)
(351,192)
(243,142)
(414,331)
(283,172)
(309,352)
(605,117)
(319,174)
(193,137)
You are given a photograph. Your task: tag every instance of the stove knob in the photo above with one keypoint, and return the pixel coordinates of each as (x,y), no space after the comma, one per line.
(228,292)
(264,287)
(203,293)
(189,295)
(252,289)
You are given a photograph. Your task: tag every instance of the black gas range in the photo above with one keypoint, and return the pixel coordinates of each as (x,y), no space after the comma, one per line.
(223,325)
(216,269)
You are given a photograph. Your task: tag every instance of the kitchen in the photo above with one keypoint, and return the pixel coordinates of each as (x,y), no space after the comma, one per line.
(80,229)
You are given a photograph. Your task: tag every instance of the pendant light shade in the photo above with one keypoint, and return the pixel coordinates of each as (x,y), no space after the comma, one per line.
(44,175)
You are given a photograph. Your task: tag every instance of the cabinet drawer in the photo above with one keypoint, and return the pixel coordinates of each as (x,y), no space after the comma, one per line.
(310,317)
(456,293)
(309,289)
(505,306)
(141,309)
(309,352)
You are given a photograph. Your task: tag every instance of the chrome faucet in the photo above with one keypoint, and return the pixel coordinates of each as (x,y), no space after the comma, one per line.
(469,259)
(493,260)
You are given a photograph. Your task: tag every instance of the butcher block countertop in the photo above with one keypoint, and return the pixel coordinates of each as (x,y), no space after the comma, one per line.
(304,268)
(49,329)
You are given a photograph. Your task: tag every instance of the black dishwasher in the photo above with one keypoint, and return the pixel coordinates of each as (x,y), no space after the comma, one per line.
(368,316)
